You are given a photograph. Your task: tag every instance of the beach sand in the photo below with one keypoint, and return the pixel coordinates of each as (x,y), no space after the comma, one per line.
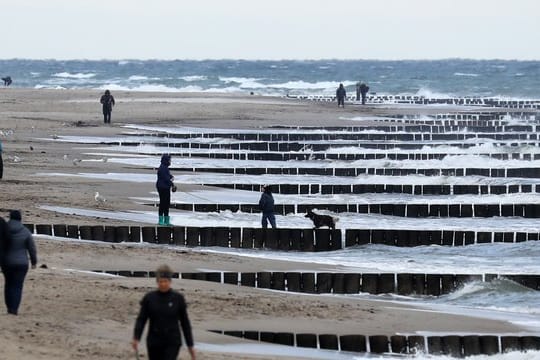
(69,314)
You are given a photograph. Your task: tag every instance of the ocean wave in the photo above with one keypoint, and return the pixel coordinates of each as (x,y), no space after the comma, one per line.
(74,76)
(246,83)
(190,78)
(303,85)
(498,294)
(466,74)
(54,87)
(430,94)
(137,78)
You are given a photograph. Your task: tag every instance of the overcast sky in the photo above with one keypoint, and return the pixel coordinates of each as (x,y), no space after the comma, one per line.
(273,29)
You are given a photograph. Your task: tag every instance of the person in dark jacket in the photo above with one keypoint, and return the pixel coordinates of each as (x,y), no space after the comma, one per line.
(15,265)
(266,204)
(164,308)
(363,91)
(4,234)
(340,95)
(164,185)
(107,100)
(1,162)
(7,80)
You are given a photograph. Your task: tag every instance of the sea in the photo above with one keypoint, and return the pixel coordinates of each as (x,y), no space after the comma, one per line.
(429,78)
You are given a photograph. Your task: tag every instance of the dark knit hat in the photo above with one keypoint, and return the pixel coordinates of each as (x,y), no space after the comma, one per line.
(15,215)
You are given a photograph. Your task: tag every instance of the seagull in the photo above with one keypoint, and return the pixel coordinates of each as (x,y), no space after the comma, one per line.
(99,198)
(54,136)
(104,159)
(65,157)
(16,158)
(76,161)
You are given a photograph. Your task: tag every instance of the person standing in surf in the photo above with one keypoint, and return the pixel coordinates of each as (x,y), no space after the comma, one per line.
(107,100)
(164,185)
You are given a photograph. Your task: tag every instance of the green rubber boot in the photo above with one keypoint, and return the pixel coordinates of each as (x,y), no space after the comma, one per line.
(161,220)
(167,221)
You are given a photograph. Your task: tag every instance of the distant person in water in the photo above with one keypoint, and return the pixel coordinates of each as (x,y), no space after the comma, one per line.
(363,91)
(340,95)
(107,100)
(7,80)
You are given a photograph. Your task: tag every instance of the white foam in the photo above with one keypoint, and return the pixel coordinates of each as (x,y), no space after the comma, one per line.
(466,74)
(74,76)
(193,78)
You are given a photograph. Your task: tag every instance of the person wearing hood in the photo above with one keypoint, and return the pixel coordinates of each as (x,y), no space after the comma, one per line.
(107,100)
(266,204)
(19,247)
(164,185)
(340,95)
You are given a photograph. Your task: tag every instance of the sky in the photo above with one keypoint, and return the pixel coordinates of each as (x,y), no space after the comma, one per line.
(276,29)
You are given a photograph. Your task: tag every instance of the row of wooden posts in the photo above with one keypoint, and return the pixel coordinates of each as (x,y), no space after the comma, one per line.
(277,239)
(521,172)
(424,210)
(450,345)
(339,189)
(345,283)
(303,156)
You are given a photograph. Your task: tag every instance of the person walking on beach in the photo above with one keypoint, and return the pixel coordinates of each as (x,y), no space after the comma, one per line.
(1,161)
(266,204)
(164,308)
(164,185)
(4,239)
(363,91)
(18,247)
(107,100)
(340,95)
(7,80)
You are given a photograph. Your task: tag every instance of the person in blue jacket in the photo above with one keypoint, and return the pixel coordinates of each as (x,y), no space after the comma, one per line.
(266,204)
(20,245)
(164,185)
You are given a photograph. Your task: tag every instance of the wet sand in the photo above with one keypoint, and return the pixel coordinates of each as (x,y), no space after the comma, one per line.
(70,314)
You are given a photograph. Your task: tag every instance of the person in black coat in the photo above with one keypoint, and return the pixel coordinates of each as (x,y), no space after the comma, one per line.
(340,95)
(4,240)
(107,100)
(164,308)
(19,246)
(7,80)
(1,162)
(164,185)
(363,91)
(266,204)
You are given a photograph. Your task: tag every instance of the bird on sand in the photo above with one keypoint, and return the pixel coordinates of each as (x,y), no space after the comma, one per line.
(99,198)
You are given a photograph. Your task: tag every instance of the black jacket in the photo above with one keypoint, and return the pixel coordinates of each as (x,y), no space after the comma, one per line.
(108,103)
(266,203)
(164,311)
(340,92)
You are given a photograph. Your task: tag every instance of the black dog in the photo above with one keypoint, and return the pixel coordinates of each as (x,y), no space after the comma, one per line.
(321,220)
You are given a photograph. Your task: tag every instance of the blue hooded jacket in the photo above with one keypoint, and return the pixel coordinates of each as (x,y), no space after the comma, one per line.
(164,177)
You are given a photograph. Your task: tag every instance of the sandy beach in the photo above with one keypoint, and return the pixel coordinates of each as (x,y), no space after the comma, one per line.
(68,313)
